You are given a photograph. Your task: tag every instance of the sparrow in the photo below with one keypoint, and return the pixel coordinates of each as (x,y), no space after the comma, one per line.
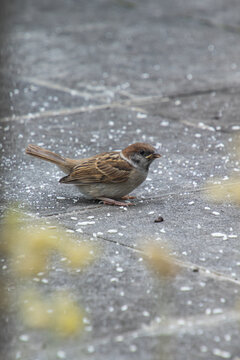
(109,176)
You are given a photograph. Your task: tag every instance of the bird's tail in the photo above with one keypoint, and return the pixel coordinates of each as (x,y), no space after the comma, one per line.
(45,154)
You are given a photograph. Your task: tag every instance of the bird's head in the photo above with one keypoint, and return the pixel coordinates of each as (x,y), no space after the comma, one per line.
(140,155)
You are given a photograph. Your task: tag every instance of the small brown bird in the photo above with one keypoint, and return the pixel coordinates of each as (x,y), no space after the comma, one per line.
(107,176)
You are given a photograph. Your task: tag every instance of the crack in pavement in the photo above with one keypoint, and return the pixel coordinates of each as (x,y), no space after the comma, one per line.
(170,326)
(70,111)
(52,85)
(167,97)
(230,28)
(183,192)
(209,273)
(203,21)
(183,264)
(128,104)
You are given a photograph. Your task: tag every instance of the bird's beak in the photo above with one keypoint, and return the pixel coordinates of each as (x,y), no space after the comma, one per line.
(153,156)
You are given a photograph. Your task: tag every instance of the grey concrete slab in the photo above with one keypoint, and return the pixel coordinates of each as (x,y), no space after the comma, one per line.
(133,57)
(216,111)
(191,153)
(124,305)
(196,230)
(123,71)
(19,97)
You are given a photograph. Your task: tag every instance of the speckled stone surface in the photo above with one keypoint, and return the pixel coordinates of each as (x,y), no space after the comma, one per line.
(81,77)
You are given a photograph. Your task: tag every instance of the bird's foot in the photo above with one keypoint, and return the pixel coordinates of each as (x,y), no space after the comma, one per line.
(128,197)
(107,201)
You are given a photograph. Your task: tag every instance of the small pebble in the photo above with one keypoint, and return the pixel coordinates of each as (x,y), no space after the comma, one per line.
(159,219)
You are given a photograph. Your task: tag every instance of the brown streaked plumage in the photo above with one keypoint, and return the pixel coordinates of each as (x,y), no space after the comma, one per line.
(107,176)
(105,168)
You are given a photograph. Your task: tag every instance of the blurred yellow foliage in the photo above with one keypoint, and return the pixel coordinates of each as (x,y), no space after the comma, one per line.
(228,190)
(29,246)
(79,255)
(159,260)
(58,314)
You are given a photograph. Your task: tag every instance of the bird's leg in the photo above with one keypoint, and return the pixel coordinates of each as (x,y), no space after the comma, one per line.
(128,197)
(107,201)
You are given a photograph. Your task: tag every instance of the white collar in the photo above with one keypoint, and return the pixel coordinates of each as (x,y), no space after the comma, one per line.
(128,160)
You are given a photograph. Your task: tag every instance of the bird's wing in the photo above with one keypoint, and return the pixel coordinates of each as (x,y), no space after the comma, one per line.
(104,168)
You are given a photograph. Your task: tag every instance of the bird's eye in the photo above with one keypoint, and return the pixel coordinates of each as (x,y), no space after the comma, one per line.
(142,152)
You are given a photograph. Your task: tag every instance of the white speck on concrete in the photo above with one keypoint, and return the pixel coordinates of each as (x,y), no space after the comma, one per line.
(61,354)
(222,354)
(112,231)
(24,337)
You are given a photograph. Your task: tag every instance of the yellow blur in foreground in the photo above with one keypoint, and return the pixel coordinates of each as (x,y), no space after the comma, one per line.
(159,260)
(59,313)
(228,190)
(29,246)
